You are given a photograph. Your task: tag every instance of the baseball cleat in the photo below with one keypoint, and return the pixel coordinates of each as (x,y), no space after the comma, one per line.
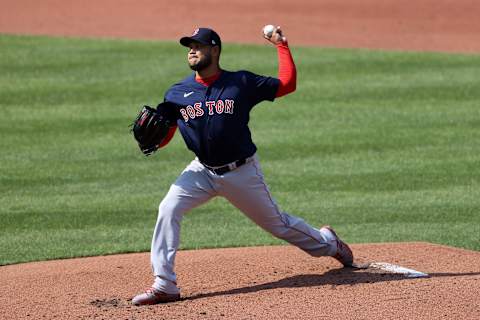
(153,296)
(343,253)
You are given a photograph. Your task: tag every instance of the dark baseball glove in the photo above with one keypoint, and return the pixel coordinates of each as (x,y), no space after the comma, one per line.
(151,126)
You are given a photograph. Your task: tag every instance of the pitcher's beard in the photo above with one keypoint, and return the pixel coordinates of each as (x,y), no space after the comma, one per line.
(199,66)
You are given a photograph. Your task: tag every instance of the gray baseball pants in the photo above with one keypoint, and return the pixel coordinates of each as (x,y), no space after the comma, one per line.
(246,189)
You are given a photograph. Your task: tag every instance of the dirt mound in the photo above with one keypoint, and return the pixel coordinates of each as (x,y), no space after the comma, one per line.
(251,283)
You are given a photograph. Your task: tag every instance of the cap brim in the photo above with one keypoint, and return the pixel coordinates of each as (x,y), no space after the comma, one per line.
(185,41)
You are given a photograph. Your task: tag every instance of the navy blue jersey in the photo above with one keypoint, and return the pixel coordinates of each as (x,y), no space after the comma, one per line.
(214,120)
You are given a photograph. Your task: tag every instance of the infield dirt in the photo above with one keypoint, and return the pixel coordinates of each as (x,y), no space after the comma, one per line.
(263,282)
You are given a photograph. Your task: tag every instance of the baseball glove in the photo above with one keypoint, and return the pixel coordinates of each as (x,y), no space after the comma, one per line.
(151,126)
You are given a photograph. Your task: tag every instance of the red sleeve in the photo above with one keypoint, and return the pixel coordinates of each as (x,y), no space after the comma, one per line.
(170,134)
(287,73)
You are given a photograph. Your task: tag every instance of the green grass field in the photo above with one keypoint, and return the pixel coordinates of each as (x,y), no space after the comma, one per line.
(384,146)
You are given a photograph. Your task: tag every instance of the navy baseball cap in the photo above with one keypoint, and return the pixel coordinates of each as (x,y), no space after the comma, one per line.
(204,36)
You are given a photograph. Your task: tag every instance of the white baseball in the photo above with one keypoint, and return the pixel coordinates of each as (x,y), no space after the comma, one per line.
(268,30)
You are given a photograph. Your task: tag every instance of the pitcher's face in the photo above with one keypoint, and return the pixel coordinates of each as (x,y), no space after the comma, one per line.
(199,56)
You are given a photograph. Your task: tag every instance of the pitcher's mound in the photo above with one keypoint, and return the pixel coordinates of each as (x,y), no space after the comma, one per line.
(253,283)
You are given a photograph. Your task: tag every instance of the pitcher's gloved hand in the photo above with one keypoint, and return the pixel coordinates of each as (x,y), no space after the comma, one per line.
(151,126)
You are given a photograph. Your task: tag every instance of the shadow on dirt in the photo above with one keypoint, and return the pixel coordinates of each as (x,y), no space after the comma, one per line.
(333,278)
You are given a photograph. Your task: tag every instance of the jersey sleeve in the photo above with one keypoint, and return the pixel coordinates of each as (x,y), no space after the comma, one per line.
(170,134)
(287,73)
(172,129)
(262,88)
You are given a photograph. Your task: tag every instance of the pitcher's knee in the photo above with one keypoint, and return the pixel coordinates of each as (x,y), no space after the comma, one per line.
(169,210)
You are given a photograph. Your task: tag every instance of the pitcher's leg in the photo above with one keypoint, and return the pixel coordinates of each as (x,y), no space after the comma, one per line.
(191,189)
(245,188)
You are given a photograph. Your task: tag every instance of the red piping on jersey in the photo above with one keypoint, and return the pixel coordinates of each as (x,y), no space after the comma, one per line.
(287,73)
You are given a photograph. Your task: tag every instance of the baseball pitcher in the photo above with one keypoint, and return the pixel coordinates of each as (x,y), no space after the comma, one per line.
(211,109)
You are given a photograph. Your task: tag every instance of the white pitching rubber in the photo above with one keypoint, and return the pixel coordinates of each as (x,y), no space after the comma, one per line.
(409,273)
